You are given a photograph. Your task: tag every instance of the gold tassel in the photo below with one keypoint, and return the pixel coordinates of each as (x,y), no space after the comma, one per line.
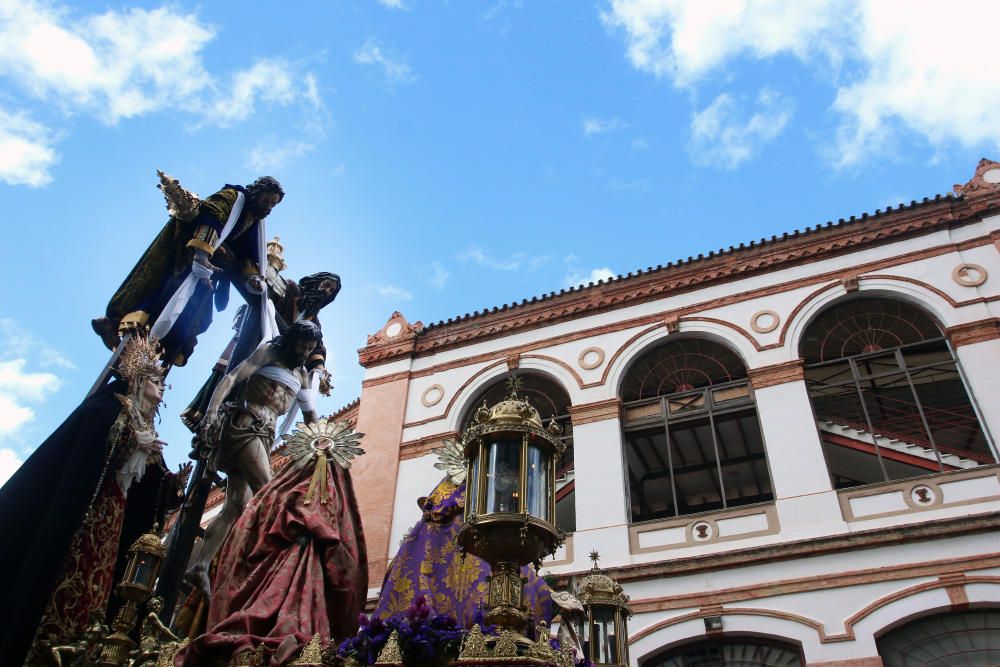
(318,479)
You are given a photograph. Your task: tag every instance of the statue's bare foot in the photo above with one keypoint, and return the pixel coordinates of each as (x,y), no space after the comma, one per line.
(107,329)
(197,577)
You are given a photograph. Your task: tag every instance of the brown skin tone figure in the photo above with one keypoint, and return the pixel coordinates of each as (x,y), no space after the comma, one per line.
(242,435)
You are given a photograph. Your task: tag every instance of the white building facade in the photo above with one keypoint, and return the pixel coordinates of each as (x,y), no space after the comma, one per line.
(785,452)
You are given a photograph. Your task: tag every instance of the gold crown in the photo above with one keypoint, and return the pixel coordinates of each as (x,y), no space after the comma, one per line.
(141,358)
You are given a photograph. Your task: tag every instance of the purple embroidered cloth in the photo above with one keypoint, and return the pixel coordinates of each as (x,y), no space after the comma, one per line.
(428,563)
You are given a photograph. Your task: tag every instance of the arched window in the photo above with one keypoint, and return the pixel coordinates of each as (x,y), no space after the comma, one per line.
(692,440)
(729,652)
(970,639)
(551,401)
(887,394)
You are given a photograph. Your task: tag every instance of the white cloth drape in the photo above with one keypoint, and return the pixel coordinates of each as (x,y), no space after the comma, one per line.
(175,306)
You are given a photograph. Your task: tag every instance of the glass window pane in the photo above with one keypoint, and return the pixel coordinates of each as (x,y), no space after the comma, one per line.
(503,476)
(538,483)
(472,487)
(687,403)
(642,411)
(648,474)
(603,638)
(696,472)
(731,393)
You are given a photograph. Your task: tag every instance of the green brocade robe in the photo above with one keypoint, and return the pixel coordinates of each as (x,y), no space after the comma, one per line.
(167,261)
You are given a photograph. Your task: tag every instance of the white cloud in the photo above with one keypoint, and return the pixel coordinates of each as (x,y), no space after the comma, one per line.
(592,125)
(115,64)
(26,152)
(393,4)
(9,462)
(119,65)
(515,262)
(722,135)
(271,158)
(439,275)
(16,342)
(395,68)
(581,278)
(394,292)
(894,65)
(18,387)
(269,81)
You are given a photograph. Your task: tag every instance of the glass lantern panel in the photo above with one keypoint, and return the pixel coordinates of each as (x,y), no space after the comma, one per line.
(603,637)
(472,485)
(143,571)
(583,630)
(538,483)
(503,476)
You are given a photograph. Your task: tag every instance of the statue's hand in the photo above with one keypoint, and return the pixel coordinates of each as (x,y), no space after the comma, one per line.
(149,443)
(184,474)
(325,381)
(207,429)
(202,268)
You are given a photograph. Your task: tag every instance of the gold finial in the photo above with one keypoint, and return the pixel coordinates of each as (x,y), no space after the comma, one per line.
(312,653)
(594,556)
(515,384)
(505,647)
(475,644)
(390,653)
(276,254)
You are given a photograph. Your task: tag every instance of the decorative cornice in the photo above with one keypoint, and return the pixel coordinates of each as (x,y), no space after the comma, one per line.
(383,379)
(974,332)
(819,546)
(948,567)
(595,412)
(412,449)
(796,248)
(768,376)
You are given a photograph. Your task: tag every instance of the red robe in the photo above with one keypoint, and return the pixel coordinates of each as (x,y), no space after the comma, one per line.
(287,571)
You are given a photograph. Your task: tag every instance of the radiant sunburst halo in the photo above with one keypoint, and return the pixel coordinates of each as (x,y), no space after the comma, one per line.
(337,439)
(451,459)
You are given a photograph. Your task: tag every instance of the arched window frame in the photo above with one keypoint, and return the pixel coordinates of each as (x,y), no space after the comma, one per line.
(683,415)
(771,652)
(549,407)
(876,364)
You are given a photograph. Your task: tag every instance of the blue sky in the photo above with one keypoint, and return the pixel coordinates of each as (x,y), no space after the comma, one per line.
(443,157)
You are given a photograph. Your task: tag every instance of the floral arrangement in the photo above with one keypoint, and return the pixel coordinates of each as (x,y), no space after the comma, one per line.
(425,638)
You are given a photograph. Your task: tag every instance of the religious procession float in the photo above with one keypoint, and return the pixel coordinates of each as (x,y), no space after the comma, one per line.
(113,568)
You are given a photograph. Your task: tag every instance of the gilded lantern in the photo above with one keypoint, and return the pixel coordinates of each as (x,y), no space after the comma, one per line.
(603,630)
(510,498)
(144,559)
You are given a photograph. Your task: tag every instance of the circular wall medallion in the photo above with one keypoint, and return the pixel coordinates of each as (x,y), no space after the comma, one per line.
(969,275)
(992,175)
(764,321)
(923,495)
(432,395)
(591,358)
(393,329)
(702,531)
